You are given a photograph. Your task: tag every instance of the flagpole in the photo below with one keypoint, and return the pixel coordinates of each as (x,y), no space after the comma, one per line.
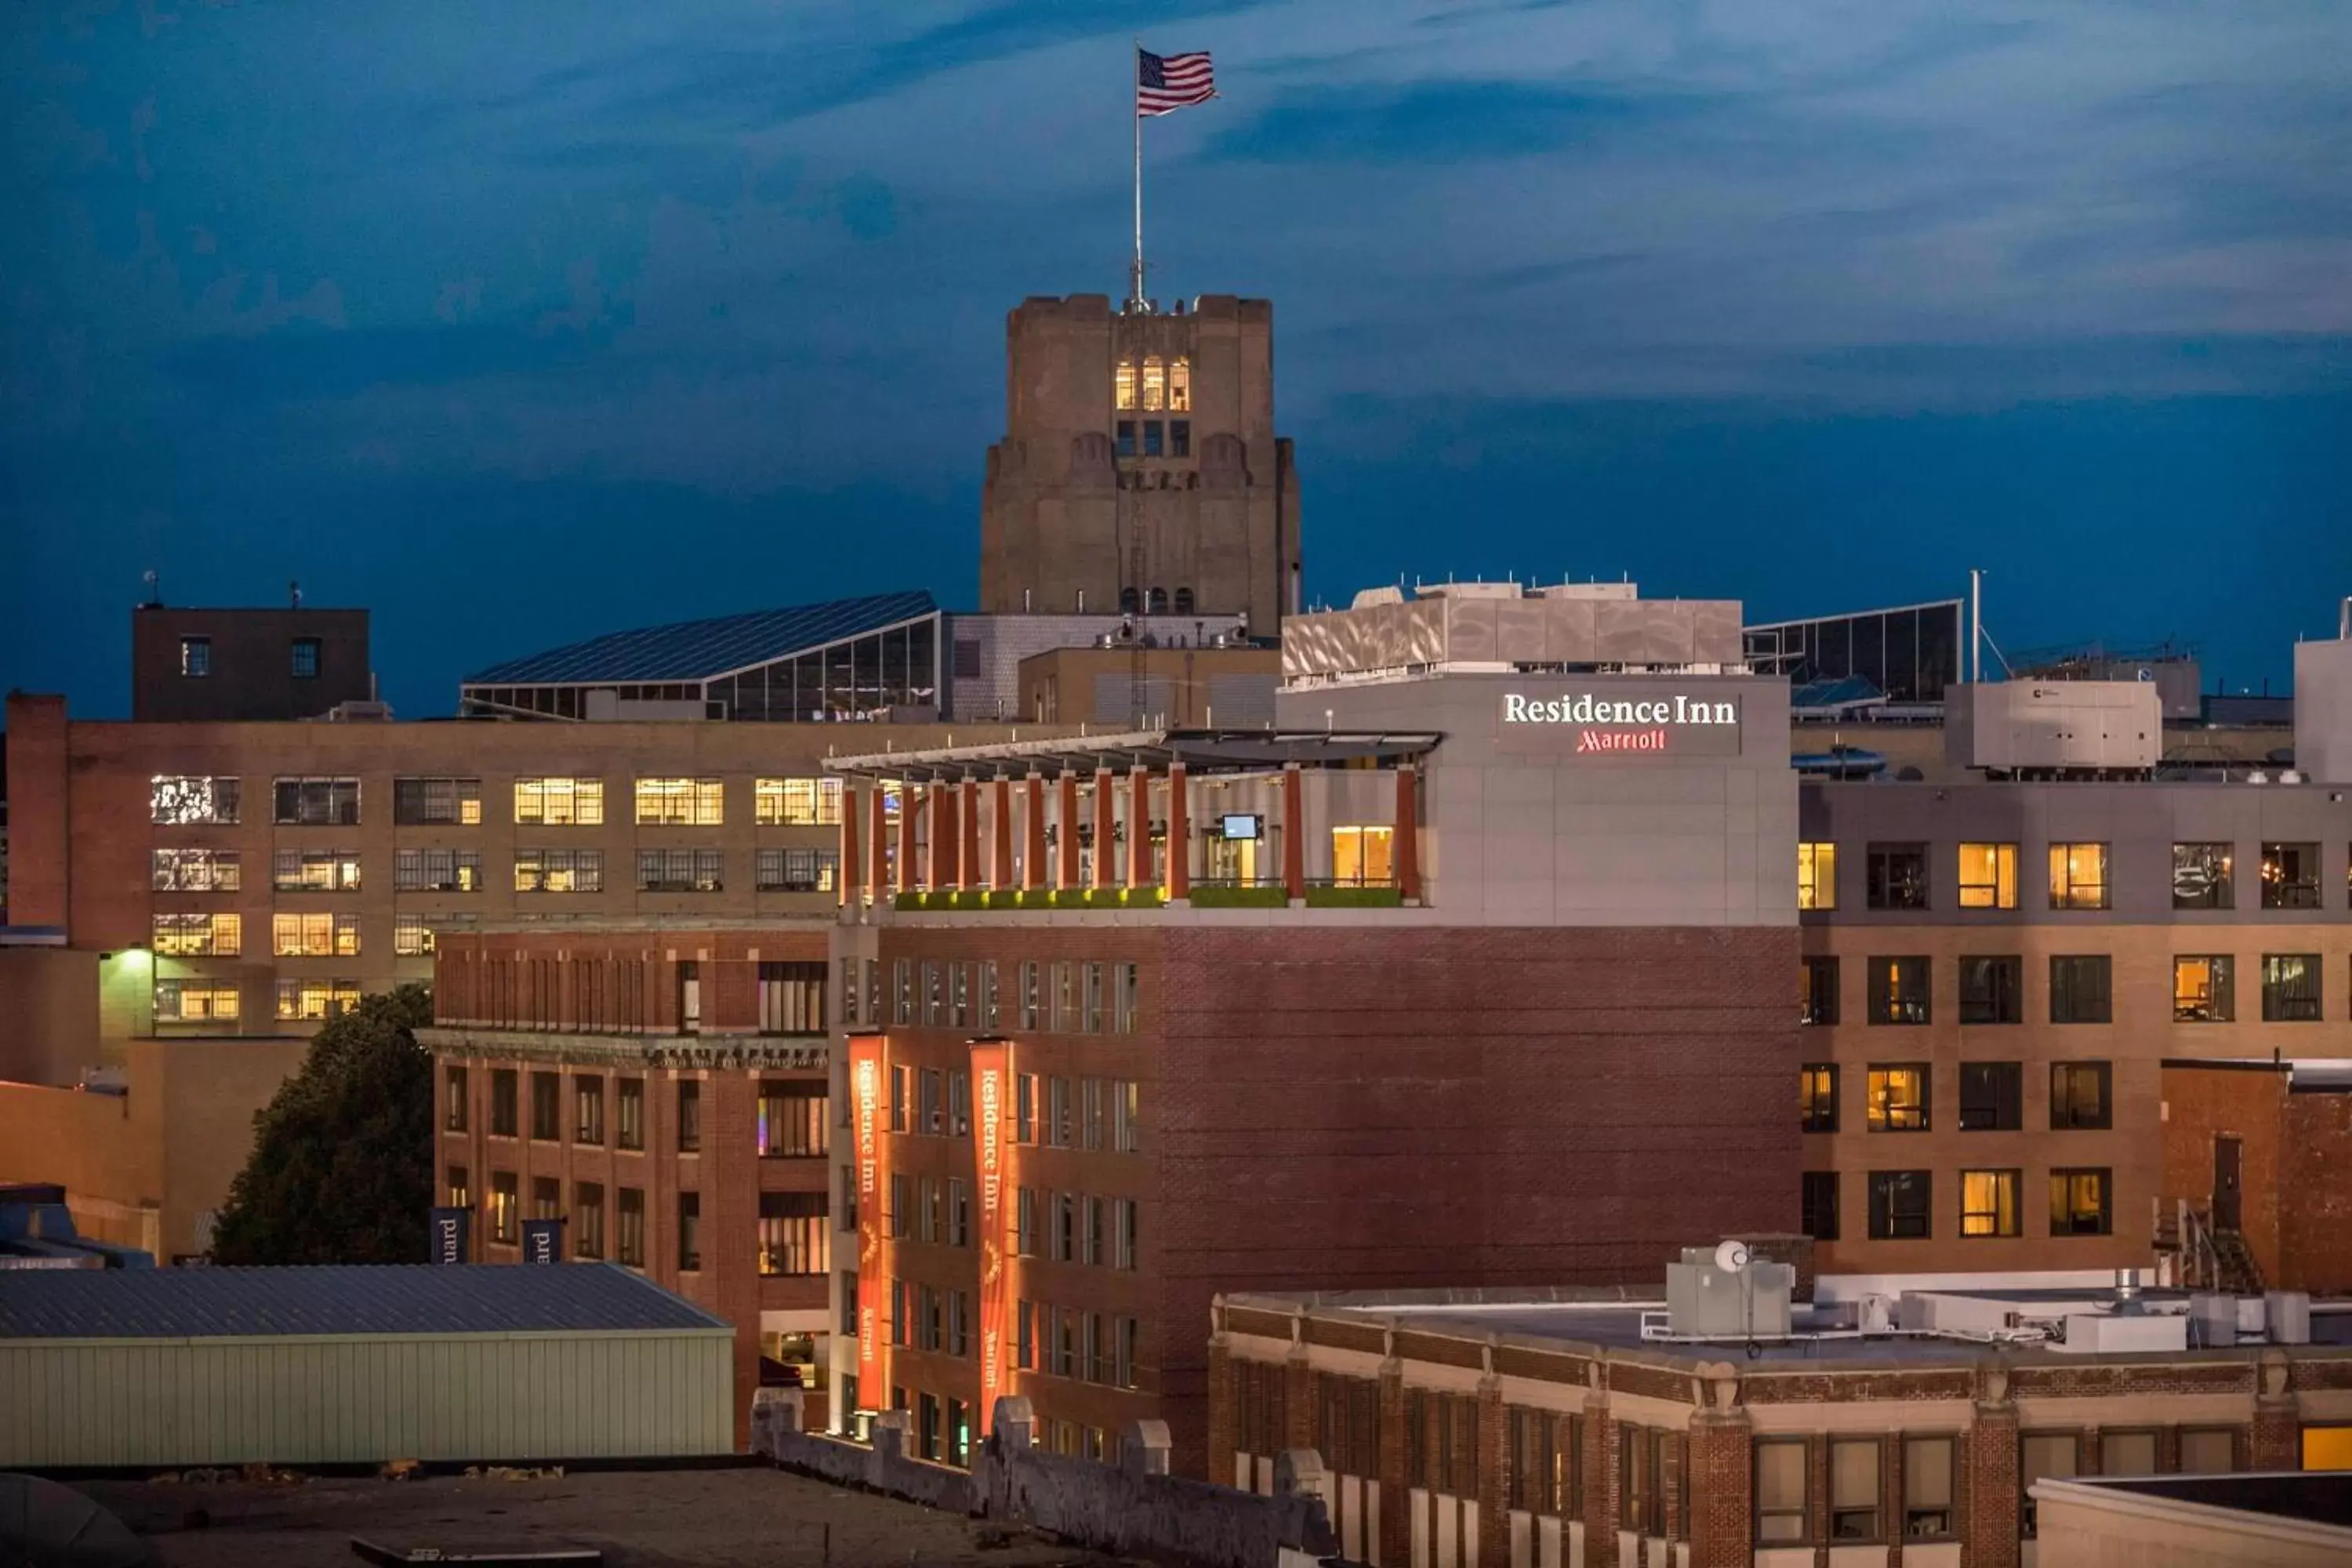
(1135,83)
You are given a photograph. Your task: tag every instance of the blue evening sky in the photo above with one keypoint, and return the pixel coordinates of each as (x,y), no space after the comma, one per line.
(517,323)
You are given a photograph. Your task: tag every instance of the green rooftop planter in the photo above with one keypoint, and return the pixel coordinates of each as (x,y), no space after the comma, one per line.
(1240,898)
(1354,898)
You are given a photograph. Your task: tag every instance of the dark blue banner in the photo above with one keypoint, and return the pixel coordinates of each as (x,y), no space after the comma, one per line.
(453,1235)
(542,1241)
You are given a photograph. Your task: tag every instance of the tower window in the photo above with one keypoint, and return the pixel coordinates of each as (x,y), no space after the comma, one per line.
(1155,384)
(1124,437)
(1125,377)
(1180,437)
(195,656)
(1151,442)
(1158,601)
(1127,602)
(1179,385)
(1183,601)
(306,658)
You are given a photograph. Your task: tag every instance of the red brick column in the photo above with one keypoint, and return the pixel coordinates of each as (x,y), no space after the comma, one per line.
(40,865)
(1395,1522)
(727,1179)
(1718,1479)
(1066,871)
(1493,1487)
(909,794)
(1294,835)
(1406,848)
(2274,1442)
(1601,1441)
(1989,1504)
(968,871)
(943,835)
(1180,835)
(1033,862)
(1139,827)
(853,848)
(1298,1400)
(1106,825)
(1000,871)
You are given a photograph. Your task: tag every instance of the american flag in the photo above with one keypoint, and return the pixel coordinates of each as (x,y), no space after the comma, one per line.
(1165,83)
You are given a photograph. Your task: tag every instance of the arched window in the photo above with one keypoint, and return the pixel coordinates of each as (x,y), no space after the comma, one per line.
(1183,601)
(1159,601)
(1125,375)
(1127,601)
(1155,384)
(1179,385)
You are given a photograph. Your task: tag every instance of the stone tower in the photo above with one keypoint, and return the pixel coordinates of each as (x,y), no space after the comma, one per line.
(1140,469)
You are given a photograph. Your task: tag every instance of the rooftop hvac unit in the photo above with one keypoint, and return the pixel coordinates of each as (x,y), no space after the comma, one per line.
(2213,1319)
(1875,1315)
(2290,1317)
(1725,1294)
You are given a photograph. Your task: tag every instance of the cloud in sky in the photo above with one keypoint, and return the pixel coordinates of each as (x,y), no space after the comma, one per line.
(745,249)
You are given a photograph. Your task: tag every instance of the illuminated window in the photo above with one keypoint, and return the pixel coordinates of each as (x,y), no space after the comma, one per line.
(1817,875)
(307,999)
(629,1227)
(2078,876)
(1988,1203)
(797,802)
(195,656)
(178,798)
(506,1207)
(1155,384)
(455,802)
(197,871)
(1361,857)
(1124,375)
(558,872)
(411,937)
(2290,876)
(1987,876)
(2081,989)
(316,935)
(197,936)
(2201,877)
(1900,1206)
(437,870)
(1898,1098)
(560,803)
(1818,1097)
(318,802)
(681,803)
(2080,1202)
(2289,987)
(795,1237)
(678,872)
(316,871)
(2204,989)
(588,1220)
(195,1002)
(1899,990)
(1179,384)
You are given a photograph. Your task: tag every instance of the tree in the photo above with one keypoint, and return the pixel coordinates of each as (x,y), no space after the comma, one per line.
(342,1170)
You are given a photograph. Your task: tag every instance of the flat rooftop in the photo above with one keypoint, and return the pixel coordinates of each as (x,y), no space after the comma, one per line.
(2323,1497)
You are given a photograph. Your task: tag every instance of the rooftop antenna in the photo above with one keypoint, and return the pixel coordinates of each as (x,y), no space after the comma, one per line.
(294,593)
(154,581)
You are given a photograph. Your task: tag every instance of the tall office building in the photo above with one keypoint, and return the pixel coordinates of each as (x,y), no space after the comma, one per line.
(1140,469)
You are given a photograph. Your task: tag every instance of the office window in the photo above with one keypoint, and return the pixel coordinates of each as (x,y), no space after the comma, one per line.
(792,1120)
(558,872)
(196,935)
(1123,437)
(1024,1108)
(797,802)
(930,1101)
(1992,1096)
(2290,876)
(1029,993)
(2042,1456)
(849,1008)
(318,802)
(458,1194)
(195,656)
(314,935)
(1818,1204)
(797,870)
(681,803)
(991,1012)
(1818,1097)
(1898,1098)
(420,802)
(2204,989)
(588,1220)
(901,1104)
(1987,876)
(1363,857)
(1123,383)
(1818,1003)
(303,657)
(791,997)
(1988,1203)
(505,1207)
(2200,877)
(505,1102)
(795,1237)
(315,871)
(959,1102)
(629,1227)
(546,1198)
(2126,1453)
(1125,1219)
(181,799)
(1992,990)
(437,870)
(689,1232)
(1155,384)
(2080,1201)
(1127,1117)
(1899,1205)
(1154,447)
(1817,875)
(1179,384)
(959,1214)
(898,1219)
(2291,988)
(1853,1489)
(902,989)
(198,871)
(588,1110)
(629,1113)
(546,1107)
(1066,997)
(1780,1513)
(411,937)
(1900,990)
(1028,1223)
(559,803)
(2078,876)
(679,871)
(1091,1018)
(2081,989)
(1897,876)
(1928,1466)
(1179,444)
(195,1001)
(689,1116)
(2210,1451)
(1058,1121)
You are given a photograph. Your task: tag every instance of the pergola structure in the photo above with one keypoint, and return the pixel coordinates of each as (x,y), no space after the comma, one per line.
(970,846)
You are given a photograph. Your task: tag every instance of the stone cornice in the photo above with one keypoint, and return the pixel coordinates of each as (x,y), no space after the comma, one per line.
(691,1051)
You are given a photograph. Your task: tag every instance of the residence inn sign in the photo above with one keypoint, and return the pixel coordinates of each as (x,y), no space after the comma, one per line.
(1592,723)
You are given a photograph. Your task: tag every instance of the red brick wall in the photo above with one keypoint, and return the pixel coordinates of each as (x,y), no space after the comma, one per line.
(2316,1220)
(37,806)
(538,980)
(2248,1103)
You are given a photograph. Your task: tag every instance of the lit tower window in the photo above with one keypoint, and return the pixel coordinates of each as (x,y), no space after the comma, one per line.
(1126,377)
(1179,385)
(1155,384)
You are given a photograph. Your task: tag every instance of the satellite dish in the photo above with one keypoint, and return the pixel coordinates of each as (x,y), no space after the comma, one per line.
(1731,1257)
(51,1526)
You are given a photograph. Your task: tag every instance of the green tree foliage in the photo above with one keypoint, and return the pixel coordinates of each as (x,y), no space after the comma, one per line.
(342,1170)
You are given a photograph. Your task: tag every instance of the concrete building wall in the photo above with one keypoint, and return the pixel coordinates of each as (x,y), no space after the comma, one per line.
(2322,711)
(248,663)
(1195,687)
(49,997)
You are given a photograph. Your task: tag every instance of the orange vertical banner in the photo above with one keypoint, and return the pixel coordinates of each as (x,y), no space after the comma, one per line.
(865,1091)
(991,1081)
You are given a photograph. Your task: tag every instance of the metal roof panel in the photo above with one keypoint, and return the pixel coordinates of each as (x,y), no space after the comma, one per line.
(697,650)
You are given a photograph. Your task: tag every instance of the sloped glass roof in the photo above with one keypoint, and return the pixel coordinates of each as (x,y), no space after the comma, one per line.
(697,650)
